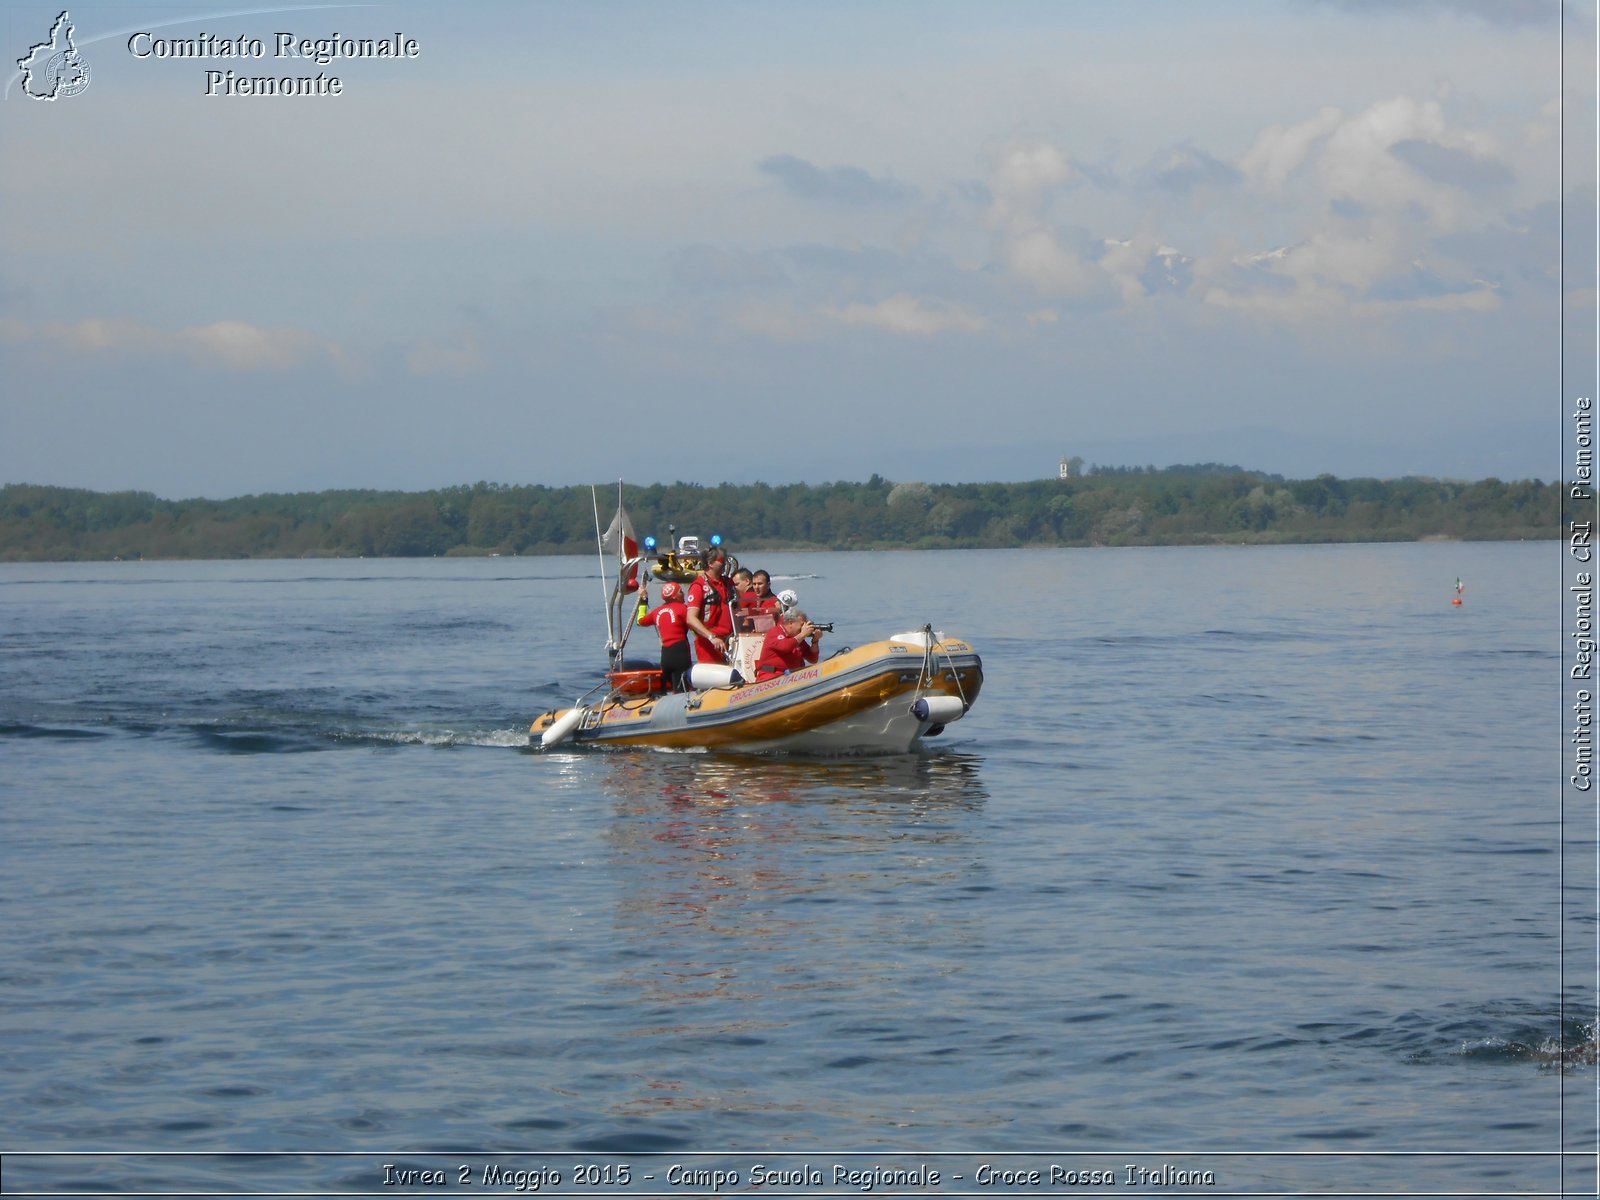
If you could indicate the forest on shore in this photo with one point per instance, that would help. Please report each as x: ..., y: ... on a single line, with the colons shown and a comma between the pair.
x: 1181, y: 505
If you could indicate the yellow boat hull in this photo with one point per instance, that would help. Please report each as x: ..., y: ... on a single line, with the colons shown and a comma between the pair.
x: 859, y: 701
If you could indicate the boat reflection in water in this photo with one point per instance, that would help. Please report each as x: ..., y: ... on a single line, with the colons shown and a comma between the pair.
x: 760, y: 899
x: 707, y: 841
x: 893, y: 788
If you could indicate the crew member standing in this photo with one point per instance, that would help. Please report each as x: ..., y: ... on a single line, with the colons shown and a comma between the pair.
x: 740, y: 580
x: 758, y: 605
x: 670, y: 620
x: 711, y: 601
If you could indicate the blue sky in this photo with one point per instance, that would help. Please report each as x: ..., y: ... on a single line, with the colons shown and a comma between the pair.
x: 730, y: 241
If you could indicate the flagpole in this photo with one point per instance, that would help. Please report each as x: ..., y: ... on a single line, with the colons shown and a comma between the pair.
x: 618, y: 593
x: 599, y: 545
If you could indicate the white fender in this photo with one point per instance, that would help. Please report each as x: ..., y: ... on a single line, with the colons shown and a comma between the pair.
x: 704, y: 676
x: 562, y: 729
x: 941, y: 710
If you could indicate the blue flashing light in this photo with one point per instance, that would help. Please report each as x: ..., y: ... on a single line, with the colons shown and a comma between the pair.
x: 650, y: 544
x: 716, y: 539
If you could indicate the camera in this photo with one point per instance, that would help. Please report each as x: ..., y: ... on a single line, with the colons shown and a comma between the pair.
x: 821, y: 628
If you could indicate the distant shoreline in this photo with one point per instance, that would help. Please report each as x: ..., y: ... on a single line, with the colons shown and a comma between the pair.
x: 1207, y: 505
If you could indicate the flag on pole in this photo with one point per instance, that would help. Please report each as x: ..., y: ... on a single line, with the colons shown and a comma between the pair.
x: 619, y: 539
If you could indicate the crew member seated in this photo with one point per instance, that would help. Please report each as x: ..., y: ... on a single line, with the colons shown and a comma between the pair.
x: 786, y: 648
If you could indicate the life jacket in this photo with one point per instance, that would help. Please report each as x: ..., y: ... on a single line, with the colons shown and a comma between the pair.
x: 716, y: 603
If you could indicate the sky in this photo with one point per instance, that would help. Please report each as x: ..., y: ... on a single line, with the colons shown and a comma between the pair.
x: 570, y: 243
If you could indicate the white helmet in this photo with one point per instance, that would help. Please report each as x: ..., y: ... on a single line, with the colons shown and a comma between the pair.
x: 788, y: 599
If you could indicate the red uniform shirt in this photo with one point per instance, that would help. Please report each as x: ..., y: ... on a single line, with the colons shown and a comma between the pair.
x: 712, y: 601
x: 669, y: 622
x: 754, y: 604
x: 780, y: 652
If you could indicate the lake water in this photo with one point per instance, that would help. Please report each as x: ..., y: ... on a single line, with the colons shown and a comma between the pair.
x: 1248, y: 861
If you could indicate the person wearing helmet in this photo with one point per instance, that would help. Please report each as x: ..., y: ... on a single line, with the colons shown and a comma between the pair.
x: 671, y: 621
x: 711, y: 603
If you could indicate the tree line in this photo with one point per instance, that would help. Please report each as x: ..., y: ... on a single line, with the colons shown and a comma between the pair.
x: 1181, y: 505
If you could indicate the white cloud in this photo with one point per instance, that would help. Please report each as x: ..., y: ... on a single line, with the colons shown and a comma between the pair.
x: 243, y: 347
x: 1376, y: 194
x: 1353, y: 262
x: 1397, y: 155
x: 1124, y: 262
x: 1481, y: 299
x: 234, y: 345
x: 911, y: 317
x: 1029, y: 169
x: 1027, y: 245
x: 1315, y: 300
x: 1362, y: 198
x: 1357, y: 162
x: 1038, y: 257
x: 1279, y: 150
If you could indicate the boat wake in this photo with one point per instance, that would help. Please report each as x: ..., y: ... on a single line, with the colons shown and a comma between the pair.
x: 286, y: 734
x: 1502, y: 1033
x: 513, y: 738
x: 1579, y: 1048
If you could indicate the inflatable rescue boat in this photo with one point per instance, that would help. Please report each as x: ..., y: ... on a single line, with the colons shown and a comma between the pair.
x: 880, y: 698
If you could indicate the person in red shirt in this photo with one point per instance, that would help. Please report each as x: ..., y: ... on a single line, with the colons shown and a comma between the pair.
x: 759, y: 606
x: 741, y: 588
x: 671, y: 622
x: 785, y: 649
x: 711, y: 603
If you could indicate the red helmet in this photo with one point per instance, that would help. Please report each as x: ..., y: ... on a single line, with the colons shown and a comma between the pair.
x: 671, y: 591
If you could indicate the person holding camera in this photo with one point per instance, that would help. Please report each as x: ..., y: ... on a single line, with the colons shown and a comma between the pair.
x: 785, y: 647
